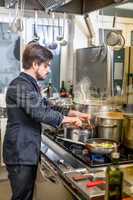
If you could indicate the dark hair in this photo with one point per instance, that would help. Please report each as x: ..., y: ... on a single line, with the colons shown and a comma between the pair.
x: 34, y: 52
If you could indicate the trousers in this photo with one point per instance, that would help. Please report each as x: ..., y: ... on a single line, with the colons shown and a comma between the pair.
x: 22, y: 180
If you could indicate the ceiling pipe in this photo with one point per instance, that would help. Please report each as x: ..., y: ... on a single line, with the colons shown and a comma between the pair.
x: 90, y: 29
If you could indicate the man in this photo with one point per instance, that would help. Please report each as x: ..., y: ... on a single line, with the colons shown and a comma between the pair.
x: 26, y: 110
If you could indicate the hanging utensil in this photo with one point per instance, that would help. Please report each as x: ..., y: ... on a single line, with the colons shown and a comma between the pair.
x: 35, y: 35
x: 63, y: 42
x: 114, y: 38
x: 2, y: 31
x: 17, y: 24
x: 47, y: 31
x: 60, y: 36
x: 13, y: 24
x: 53, y: 45
x: 9, y: 17
x: 44, y: 35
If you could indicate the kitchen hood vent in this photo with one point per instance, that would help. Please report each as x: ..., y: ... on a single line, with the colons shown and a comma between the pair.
x: 52, y: 4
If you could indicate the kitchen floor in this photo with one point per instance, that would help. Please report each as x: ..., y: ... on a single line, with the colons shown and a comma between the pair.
x: 5, y: 191
x: 43, y: 189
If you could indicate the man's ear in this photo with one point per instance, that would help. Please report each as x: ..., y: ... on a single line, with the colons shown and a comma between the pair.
x: 34, y: 65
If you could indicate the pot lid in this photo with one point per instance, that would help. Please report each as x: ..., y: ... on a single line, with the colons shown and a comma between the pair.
x: 128, y: 115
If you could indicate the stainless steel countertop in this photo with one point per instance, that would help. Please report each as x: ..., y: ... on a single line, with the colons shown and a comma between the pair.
x: 67, y: 166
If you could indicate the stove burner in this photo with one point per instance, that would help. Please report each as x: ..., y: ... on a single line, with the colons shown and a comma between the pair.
x: 92, y: 159
x: 98, y: 158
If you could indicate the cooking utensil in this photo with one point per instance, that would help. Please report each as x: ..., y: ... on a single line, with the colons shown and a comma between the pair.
x: 95, y: 183
x: 53, y: 45
x: 17, y: 23
x: 91, y: 106
x: 95, y: 145
x: 35, y: 34
x: 60, y: 36
x: 63, y: 42
x: 115, y: 38
x: 44, y: 36
x: 109, y: 132
x: 128, y: 131
x: 110, y: 125
x: 101, y: 145
x: 79, y: 134
x: 82, y: 177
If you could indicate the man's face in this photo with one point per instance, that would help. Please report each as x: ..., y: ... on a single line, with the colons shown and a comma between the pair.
x: 42, y: 70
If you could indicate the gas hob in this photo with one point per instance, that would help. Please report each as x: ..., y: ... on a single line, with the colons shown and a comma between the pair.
x: 91, y: 159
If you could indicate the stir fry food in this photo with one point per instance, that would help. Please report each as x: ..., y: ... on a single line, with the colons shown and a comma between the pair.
x: 104, y: 145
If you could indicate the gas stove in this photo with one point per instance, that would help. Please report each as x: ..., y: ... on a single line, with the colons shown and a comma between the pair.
x: 91, y: 159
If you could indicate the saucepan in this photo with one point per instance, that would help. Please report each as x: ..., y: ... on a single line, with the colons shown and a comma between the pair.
x: 81, y: 134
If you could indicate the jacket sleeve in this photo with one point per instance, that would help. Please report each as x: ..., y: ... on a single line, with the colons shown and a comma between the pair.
x: 36, y: 106
x: 64, y: 110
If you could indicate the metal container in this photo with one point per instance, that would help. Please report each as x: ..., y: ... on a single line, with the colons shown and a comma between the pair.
x: 110, y: 127
x: 128, y: 131
x: 110, y: 131
x: 89, y: 106
x: 94, y: 107
x: 86, y: 108
x: 78, y: 134
x: 101, y: 145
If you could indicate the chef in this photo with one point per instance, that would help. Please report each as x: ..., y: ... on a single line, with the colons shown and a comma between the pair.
x: 26, y: 110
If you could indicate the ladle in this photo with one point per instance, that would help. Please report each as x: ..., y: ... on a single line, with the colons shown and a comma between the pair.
x: 35, y: 35
x: 53, y: 45
x: 63, y: 42
x: 60, y: 36
x: 44, y: 38
x: 17, y: 24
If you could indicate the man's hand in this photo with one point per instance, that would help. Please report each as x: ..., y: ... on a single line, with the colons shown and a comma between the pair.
x: 80, y: 115
x: 84, y: 116
x: 73, y: 120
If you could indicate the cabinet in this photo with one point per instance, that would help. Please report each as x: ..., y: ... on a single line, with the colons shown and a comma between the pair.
x: 49, y: 185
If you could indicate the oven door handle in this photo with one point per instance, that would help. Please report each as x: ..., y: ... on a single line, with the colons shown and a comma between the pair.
x: 51, y: 178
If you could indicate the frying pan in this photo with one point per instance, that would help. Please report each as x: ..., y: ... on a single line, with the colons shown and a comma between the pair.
x: 96, y: 145
x: 101, y: 145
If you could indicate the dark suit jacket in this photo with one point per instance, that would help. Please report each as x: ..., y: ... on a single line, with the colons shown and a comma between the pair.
x: 26, y: 109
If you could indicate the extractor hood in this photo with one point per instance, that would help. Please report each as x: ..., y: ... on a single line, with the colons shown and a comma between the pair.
x: 85, y: 6
x: 67, y: 6
x: 52, y: 4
